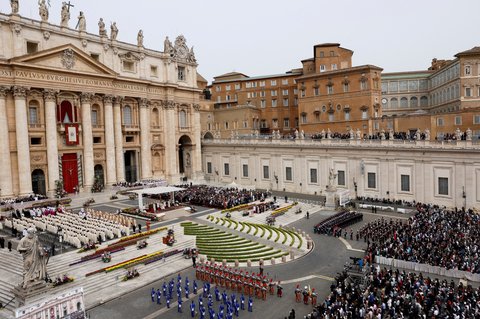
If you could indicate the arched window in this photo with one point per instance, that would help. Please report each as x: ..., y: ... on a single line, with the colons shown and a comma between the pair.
x: 424, y: 101
x: 394, y: 103
x: 182, y: 119
x: 413, y: 101
x: 127, y: 115
x: 155, y: 117
x: 67, y: 112
x: 403, y: 102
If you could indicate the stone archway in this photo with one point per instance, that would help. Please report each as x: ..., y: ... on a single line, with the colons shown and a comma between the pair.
x: 185, y: 156
x: 38, y: 182
x: 208, y: 136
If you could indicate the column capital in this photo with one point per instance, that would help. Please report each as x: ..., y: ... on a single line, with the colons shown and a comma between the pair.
x: 108, y: 99
x: 143, y: 103
x: 50, y: 95
x: 20, y: 92
x: 86, y: 98
x: 3, y: 91
x: 168, y: 104
x: 118, y: 100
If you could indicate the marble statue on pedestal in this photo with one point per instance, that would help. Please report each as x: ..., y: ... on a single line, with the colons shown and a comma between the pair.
x: 358, y: 134
x: 14, y: 5
x: 140, y: 38
x: 82, y: 23
x: 102, y: 31
x: 469, y: 134
x: 65, y: 17
x: 43, y: 10
x: 113, y: 31
x: 167, y: 46
x: 458, y: 134
x: 331, y: 178
x: 34, y: 259
x: 427, y: 134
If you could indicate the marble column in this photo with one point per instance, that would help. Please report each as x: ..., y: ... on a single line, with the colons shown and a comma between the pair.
x: 171, y: 167
x: 51, y: 137
x: 197, y: 141
x: 109, y: 140
x: 23, y: 143
x: 6, y: 185
x: 145, y: 143
x: 117, y: 120
x: 86, y: 101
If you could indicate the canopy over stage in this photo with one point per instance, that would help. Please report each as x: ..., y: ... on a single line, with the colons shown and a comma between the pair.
x: 155, y: 191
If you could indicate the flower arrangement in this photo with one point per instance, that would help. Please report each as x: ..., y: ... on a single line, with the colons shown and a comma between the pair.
x: 235, y: 208
x: 62, y: 280
x: 139, y: 235
x: 280, y: 211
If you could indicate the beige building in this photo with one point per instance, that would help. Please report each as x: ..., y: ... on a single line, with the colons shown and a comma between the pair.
x: 429, y: 172
x: 80, y: 107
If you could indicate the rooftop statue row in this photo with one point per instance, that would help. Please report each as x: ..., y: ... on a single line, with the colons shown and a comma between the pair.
x: 177, y: 51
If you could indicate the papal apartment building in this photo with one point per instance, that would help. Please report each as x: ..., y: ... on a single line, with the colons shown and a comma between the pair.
x: 77, y: 107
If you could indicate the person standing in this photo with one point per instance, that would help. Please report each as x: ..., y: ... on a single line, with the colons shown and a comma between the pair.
x: 2, y: 242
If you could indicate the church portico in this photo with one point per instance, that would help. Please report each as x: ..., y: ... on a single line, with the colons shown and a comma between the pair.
x: 71, y: 116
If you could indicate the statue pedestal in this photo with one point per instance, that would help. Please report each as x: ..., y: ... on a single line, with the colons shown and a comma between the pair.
x: 330, y: 193
x: 34, y: 291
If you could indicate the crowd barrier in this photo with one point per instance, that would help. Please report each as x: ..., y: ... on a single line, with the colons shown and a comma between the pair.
x: 424, y: 268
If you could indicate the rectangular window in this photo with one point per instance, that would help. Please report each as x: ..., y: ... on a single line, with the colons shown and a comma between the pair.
x: 32, y: 47
x: 263, y: 103
x: 273, y: 82
x: 153, y: 70
x: 129, y: 139
x: 322, y: 68
x: 364, y: 114
x: 273, y: 92
x: 458, y: 120
x: 286, y: 122
x: 95, y: 56
x: 284, y: 92
x: 302, y: 93
x: 332, y: 53
x: 262, y: 94
x: 275, y: 123
x: 442, y: 186
x: 476, y: 119
x: 285, y: 102
x: 295, y: 91
x: 440, y: 121
x: 304, y: 118
x: 313, y: 176
x: 35, y: 141
x: 226, y: 125
x: 209, y: 167
x: 330, y: 117
x: 245, y: 170
x: 266, y: 172
x: 468, y: 92
x: 262, y: 83
x: 218, y: 88
x: 346, y: 87
x: 226, y: 169
x: 285, y: 81
x: 128, y: 66
x: 248, y: 85
x: 405, y: 183
x: 372, y: 180
x: 227, y: 87
x: 227, y: 97
x: 238, y: 86
x: 94, y: 117
x: 363, y: 85
x: 330, y: 89
x: 97, y: 140
x: 295, y: 101
x: 33, y: 115
x: 288, y: 174
x: 181, y: 73
x: 316, y: 91
x: 334, y: 66
x: 322, y: 54
x: 347, y: 116
x: 468, y: 70
x: 341, y: 178
x: 274, y: 103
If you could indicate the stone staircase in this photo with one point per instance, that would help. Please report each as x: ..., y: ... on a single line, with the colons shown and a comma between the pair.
x: 99, y: 287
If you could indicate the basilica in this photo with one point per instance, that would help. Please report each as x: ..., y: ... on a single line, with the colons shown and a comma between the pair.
x: 77, y: 107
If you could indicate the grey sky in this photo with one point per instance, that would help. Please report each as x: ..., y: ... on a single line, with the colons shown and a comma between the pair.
x: 271, y: 36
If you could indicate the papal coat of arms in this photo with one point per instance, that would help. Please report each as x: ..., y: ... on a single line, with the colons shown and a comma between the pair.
x: 68, y: 58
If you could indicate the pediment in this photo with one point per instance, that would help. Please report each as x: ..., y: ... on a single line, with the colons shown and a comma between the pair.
x: 66, y: 57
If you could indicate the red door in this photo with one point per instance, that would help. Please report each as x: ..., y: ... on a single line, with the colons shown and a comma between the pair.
x: 70, y: 172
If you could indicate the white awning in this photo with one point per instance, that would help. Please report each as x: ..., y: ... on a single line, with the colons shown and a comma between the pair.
x: 157, y: 190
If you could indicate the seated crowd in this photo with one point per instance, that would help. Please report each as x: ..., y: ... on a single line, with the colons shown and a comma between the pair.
x: 78, y: 229
x: 333, y: 225
x: 217, y: 197
x: 142, y: 183
x: 22, y: 199
x: 395, y: 294
x: 364, y: 199
x: 434, y: 236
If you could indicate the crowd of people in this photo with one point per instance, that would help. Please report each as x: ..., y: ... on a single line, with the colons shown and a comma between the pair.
x: 333, y: 225
x: 22, y: 199
x: 142, y: 183
x: 218, y: 197
x: 434, y: 236
x: 366, y: 199
x: 395, y: 294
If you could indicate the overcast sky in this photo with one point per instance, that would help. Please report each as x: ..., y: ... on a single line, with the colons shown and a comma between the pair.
x: 262, y: 37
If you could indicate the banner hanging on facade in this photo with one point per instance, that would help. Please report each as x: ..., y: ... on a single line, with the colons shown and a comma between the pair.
x: 71, y: 134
